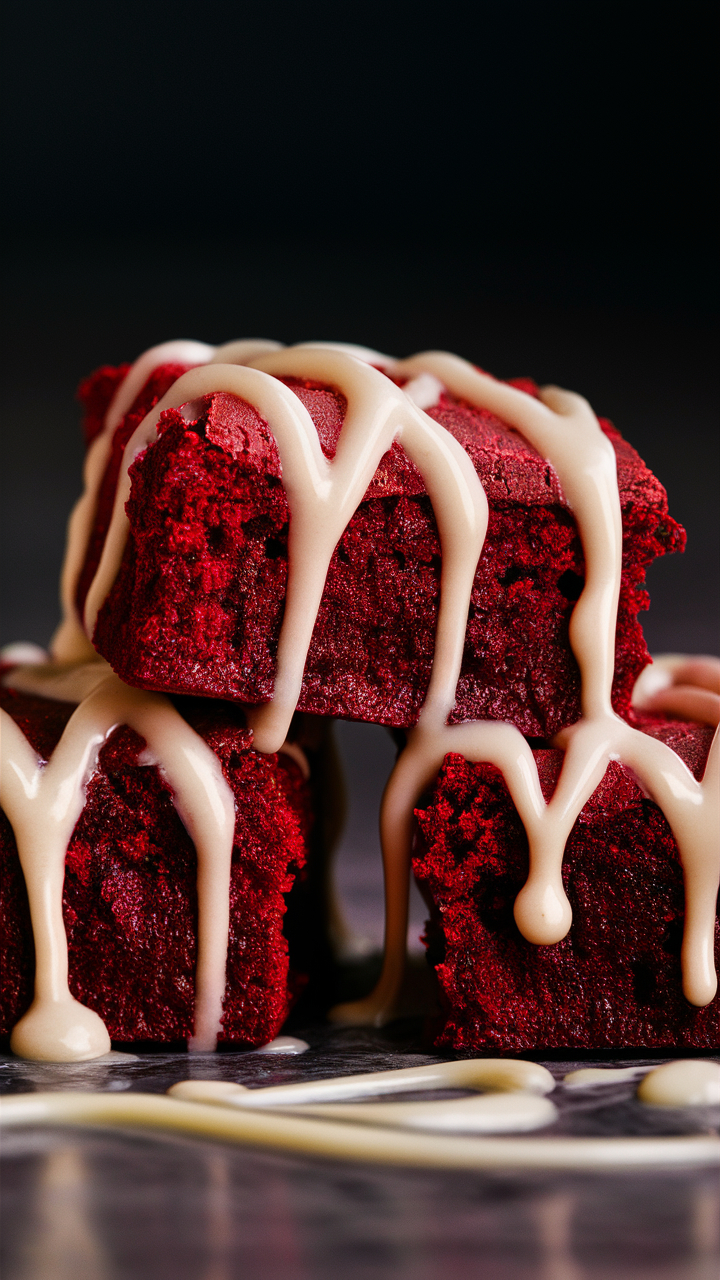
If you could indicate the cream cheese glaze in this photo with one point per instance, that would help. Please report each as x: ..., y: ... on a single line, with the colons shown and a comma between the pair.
x: 322, y: 496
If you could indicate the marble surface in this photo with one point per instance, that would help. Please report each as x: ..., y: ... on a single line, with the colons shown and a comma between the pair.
x: 107, y: 1206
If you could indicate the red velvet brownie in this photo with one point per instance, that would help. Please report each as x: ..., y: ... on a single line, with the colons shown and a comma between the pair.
x: 198, y: 602
x: 130, y: 900
x: 227, y: 551
x: 614, y: 981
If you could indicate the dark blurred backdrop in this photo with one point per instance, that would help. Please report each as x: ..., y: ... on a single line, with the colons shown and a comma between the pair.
x: 528, y: 184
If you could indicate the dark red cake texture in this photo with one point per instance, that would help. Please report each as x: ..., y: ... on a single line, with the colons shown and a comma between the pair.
x: 615, y: 980
x: 95, y: 394
x: 197, y: 609
x: 198, y: 603
x: 130, y: 903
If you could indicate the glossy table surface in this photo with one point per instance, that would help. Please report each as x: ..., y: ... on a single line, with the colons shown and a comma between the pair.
x: 108, y: 1205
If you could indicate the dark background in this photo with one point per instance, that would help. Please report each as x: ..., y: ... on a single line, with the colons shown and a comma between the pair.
x: 527, y: 184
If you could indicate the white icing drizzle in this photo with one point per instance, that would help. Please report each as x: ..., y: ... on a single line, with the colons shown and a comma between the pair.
x: 296, y: 753
x: 588, y: 1077
x: 332, y: 1138
x: 501, y: 1112
x: 44, y: 802
x: 59, y: 681
x: 322, y: 1117
x: 322, y: 497
x: 497, y: 1075
x: 515, y: 1102
x: 243, y: 351
x: 70, y: 643
x: 689, y: 1082
x: 676, y: 685
x: 366, y: 354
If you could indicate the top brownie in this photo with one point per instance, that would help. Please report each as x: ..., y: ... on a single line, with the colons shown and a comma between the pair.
x: 198, y: 602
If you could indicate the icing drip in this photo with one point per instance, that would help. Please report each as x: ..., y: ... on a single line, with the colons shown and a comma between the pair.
x: 44, y: 802
x: 22, y: 653
x: 70, y: 644
x: 322, y: 496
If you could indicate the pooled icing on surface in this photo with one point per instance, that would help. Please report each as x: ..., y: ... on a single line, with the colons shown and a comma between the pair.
x: 515, y: 1102
x: 589, y: 1077
x: 327, y: 1118
x: 687, y: 1083
x: 322, y: 496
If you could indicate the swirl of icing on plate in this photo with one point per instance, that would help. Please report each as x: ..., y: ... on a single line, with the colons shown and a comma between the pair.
x: 322, y: 496
x: 515, y: 1101
x: 324, y: 1118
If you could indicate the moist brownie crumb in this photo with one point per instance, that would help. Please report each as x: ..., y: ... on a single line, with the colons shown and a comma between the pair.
x: 199, y: 599
x: 615, y: 980
x: 130, y: 902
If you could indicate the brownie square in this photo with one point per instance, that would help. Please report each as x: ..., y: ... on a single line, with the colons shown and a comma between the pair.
x: 198, y: 602
x: 130, y: 903
x: 614, y: 981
